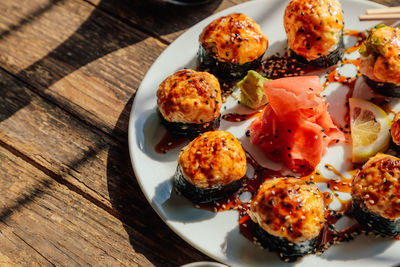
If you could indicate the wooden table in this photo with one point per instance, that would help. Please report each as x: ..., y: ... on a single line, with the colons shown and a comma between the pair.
x: 69, y: 70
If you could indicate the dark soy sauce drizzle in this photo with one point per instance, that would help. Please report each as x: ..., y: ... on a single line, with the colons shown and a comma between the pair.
x: 329, y: 234
x: 275, y: 67
x: 236, y: 117
x: 170, y: 141
x: 278, y: 66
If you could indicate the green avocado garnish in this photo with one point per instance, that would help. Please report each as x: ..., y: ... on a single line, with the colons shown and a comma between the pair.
x: 374, y: 45
x: 252, y: 90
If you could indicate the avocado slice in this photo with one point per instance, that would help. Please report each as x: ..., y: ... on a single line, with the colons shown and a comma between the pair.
x: 252, y: 90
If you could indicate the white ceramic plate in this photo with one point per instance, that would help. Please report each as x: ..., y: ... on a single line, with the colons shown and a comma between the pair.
x: 217, y: 235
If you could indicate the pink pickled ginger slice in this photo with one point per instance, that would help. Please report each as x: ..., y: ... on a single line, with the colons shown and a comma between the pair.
x: 295, y: 128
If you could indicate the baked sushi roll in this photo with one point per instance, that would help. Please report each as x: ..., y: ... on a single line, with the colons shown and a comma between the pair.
x: 231, y: 45
x: 315, y: 31
x: 189, y: 102
x: 380, y: 62
x: 376, y: 195
x: 289, y: 216
x: 395, y: 130
x: 211, y: 167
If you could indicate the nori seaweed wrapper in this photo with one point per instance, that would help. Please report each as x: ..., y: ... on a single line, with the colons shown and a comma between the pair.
x: 203, y: 195
x: 386, y: 89
x: 225, y: 70
x: 324, y: 61
x: 374, y: 222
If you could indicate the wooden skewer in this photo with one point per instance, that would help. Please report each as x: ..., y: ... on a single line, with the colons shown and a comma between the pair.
x: 389, y: 10
x: 379, y: 17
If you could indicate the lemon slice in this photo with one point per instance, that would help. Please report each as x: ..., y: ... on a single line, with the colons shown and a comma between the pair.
x: 370, y: 127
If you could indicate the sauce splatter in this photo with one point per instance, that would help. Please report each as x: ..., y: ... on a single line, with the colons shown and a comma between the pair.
x: 236, y: 117
x: 170, y: 141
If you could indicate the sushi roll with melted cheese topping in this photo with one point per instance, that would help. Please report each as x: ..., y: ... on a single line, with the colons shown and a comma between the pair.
x: 314, y: 30
x: 376, y: 195
x: 232, y: 45
x: 395, y: 130
x: 189, y: 102
x: 211, y: 167
x: 289, y: 214
x: 380, y: 61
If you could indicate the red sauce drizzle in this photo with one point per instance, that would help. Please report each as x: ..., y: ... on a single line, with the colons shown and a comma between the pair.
x: 360, y: 38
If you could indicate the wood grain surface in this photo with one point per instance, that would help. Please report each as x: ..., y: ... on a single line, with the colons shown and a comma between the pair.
x: 69, y: 71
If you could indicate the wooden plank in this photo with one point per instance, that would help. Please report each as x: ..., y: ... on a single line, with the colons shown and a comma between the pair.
x: 43, y: 223
x: 88, y: 162
x: 166, y: 20
x: 76, y: 55
x: 160, y: 18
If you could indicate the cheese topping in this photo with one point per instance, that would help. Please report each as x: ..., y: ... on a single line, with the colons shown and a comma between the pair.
x: 313, y: 27
x: 213, y: 159
x: 381, y: 61
x: 189, y: 96
x: 395, y: 129
x: 234, y: 38
x: 289, y: 208
x: 377, y: 186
